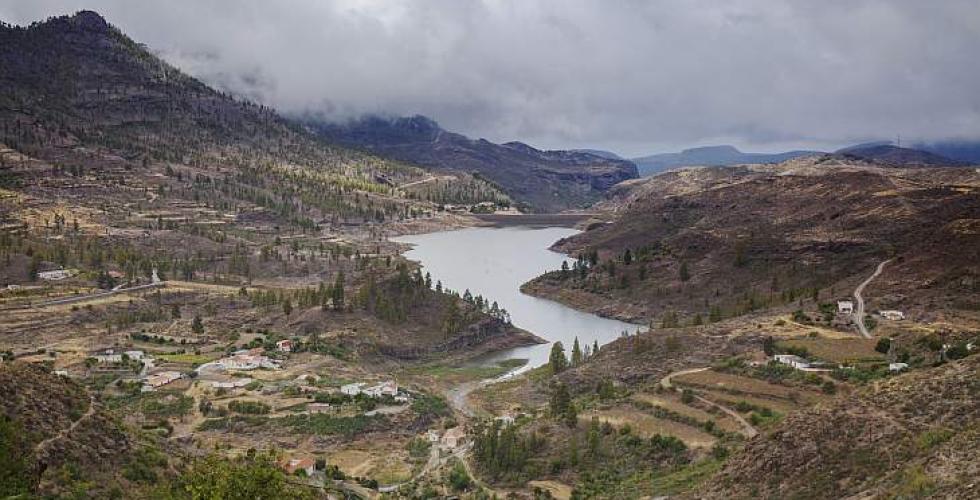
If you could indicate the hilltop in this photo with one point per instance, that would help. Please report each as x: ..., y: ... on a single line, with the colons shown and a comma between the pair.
x: 887, y: 154
x: 710, y: 156
x: 723, y: 241
x: 543, y: 181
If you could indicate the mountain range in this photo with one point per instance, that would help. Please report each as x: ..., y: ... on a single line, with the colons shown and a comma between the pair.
x: 924, y: 154
x: 541, y: 181
x: 710, y: 155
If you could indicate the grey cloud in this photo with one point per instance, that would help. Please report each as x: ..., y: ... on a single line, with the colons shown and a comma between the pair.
x: 632, y: 76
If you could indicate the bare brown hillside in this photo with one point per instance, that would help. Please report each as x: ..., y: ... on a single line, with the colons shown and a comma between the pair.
x: 913, y: 436
x: 721, y: 242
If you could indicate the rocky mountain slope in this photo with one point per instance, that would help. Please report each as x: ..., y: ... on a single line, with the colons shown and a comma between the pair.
x: 912, y: 436
x: 726, y: 241
x: 543, y: 181
x: 710, y: 156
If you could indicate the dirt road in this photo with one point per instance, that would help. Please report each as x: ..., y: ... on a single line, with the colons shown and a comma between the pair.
x: 747, y: 428
x: 858, y: 316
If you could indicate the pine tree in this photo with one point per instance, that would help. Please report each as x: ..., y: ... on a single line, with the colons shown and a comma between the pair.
x: 338, y: 291
x: 594, y: 436
x: 197, y: 326
x: 576, y: 353
x: 557, y: 360
x: 685, y: 274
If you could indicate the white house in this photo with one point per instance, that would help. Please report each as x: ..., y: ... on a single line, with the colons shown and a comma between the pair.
x: 56, y: 275
x: 845, y: 306
x: 160, y: 379
x: 792, y: 360
x: 232, y: 384
x: 892, y: 315
x: 505, y: 419
x: 386, y: 388
x: 897, y: 367
x: 352, y: 389
x: 284, y: 345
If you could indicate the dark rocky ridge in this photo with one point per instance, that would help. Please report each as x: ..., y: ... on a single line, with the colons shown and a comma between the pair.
x: 544, y: 181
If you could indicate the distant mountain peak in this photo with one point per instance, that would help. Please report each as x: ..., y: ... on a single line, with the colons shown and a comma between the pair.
x: 90, y: 20
x: 722, y: 149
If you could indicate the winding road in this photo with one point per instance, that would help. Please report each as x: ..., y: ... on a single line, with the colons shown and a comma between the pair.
x: 858, y: 316
x: 747, y: 428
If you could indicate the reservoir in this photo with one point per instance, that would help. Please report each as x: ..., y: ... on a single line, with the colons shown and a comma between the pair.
x: 494, y: 262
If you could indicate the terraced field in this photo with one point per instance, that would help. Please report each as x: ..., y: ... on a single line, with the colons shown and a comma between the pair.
x: 647, y: 425
x: 672, y: 402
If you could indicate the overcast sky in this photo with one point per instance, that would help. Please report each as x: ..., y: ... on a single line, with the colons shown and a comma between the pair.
x: 633, y: 77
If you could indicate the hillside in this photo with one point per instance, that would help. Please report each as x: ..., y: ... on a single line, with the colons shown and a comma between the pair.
x: 710, y: 156
x: 887, y: 154
x: 142, y: 212
x: 542, y: 181
x: 907, y: 437
x: 721, y: 242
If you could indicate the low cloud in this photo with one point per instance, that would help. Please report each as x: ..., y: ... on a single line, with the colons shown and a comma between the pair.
x: 632, y: 76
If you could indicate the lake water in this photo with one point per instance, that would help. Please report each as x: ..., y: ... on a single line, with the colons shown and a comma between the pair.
x: 495, y: 262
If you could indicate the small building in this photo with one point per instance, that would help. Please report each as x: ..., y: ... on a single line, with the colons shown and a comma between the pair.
x: 453, y: 437
x: 135, y: 355
x: 108, y: 356
x: 897, y: 367
x: 845, y: 307
x: 61, y: 373
x: 792, y: 360
x: 160, y: 379
x: 892, y: 315
x: 432, y: 436
x: 294, y: 465
x: 56, y: 275
x: 319, y: 408
x: 232, y: 384
x: 352, y: 389
x: 284, y: 345
x: 386, y: 388
x: 505, y: 419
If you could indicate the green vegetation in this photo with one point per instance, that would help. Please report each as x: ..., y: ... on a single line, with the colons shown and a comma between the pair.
x: 249, y: 407
x: 15, y: 459
x: 431, y: 406
x: 219, y: 478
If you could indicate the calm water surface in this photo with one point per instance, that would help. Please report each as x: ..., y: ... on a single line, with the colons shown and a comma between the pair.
x: 495, y: 262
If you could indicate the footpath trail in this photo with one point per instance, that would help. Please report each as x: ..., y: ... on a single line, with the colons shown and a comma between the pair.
x: 858, y: 317
x: 747, y: 428
x: 66, y: 431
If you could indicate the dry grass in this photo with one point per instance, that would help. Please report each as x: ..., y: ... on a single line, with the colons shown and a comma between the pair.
x: 837, y: 350
x: 724, y: 398
x: 728, y: 382
x: 560, y: 491
x: 646, y: 425
x: 672, y: 402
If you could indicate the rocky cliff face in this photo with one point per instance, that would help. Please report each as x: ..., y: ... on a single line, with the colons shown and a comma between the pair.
x: 543, y: 181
